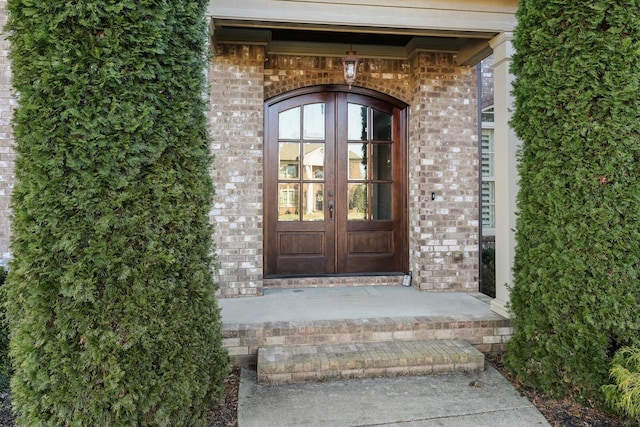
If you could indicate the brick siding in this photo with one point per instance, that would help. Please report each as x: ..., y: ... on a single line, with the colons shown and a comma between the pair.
x: 443, y: 160
x: 236, y: 119
x: 442, y: 145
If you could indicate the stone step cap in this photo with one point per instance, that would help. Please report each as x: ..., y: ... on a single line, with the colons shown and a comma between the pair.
x: 324, y: 362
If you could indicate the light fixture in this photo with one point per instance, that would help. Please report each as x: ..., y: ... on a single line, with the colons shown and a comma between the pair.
x: 350, y: 64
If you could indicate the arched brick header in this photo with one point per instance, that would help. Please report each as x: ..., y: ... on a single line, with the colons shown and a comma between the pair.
x: 337, y: 88
x: 287, y: 73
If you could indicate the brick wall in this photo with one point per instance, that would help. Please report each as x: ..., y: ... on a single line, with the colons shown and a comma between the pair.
x: 236, y: 120
x: 442, y: 145
x: 443, y: 160
x: 7, y: 155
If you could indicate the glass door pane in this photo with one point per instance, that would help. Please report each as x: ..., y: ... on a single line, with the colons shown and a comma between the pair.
x: 381, y: 126
x: 357, y: 158
x: 357, y: 125
x: 313, y: 122
x: 381, y: 202
x: 302, y: 164
x: 313, y: 167
x: 358, y: 202
x: 382, y: 162
x: 370, y: 168
x: 313, y: 202
x: 289, y: 161
x: 288, y: 197
x: 289, y: 124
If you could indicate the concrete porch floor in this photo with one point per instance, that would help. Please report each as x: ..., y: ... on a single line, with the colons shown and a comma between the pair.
x: 357, y: 314
x: 362, y: 302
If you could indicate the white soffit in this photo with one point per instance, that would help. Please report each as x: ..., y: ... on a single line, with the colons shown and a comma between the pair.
x: 445, y: 17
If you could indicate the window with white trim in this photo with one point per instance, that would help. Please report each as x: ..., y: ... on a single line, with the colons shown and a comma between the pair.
x: 488, y: 174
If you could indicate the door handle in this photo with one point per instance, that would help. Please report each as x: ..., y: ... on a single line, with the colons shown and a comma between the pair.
x: 330, y: 210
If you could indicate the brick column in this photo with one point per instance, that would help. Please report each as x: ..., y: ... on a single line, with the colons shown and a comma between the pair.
x: 236, y: 119
x: 506, y: 174
x: 7, y: 156
x: 443, y: 160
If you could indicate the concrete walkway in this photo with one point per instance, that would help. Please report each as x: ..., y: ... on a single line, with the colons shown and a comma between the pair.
x: 485, y: 399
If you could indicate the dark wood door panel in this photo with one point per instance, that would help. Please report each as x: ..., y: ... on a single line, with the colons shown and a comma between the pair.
x: 373, y: 263
x: 370, y: 242
x: 301, y: 244
x: 300, y: 265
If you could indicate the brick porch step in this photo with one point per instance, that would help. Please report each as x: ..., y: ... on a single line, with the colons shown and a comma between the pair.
x: 324, y: 362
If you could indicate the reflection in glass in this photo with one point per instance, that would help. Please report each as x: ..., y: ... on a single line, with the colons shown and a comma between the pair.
x: 289, y: 160
x: 357, y: 161
x: 487, y: 164
x: 487, y: 153
x: 381, y: 162
x: 289, y: 124
x: 358, y: 202
x: 313, y: 161
x: 313, y: 202
x: 381, y: 126
x: 381, y: 202
x: 488, y: 204
x: 288, y: 197
x: 314, y: 121
x: 357, y: 122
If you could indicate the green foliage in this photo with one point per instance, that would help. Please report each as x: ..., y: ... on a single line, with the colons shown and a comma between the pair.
x: 489, y: 271
x: 624, y: 395
x: 110, y: 296
x: 576, y: 291
x: 5, y: 367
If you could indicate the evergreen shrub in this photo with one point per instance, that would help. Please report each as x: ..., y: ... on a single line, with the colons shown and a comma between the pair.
x: 5, y: 365
x: 576, y: 293
x: 624, y: 394
x: 110, y: 296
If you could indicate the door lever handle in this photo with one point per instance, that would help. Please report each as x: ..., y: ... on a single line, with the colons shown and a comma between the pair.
x: 330, y: 210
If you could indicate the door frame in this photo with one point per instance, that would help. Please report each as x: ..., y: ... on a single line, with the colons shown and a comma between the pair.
x: 404, y: 226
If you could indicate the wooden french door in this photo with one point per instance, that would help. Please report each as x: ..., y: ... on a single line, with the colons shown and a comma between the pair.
x: 335, y: 184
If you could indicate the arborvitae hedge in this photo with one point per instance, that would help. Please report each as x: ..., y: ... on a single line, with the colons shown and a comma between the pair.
x: 576, y: 296
x: 111, y: 302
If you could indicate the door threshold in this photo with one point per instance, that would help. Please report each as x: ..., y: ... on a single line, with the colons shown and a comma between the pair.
x: 317, y: 276
x: 334, y: 280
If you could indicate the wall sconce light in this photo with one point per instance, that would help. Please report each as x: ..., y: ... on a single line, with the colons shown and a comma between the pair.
x: 350, y: 64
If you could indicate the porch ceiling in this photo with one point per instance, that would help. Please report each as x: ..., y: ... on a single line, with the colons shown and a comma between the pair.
x: 374, y: 28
